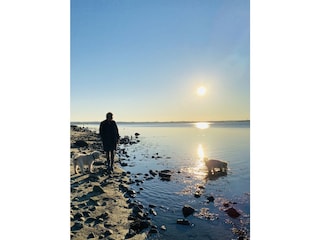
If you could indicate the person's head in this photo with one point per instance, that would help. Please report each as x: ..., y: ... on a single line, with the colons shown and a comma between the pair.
x: 109, y: 116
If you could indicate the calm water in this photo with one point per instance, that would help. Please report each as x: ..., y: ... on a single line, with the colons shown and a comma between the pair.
x: 180, y: 147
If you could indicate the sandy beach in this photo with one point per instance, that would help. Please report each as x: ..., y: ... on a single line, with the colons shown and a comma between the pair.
x: 99, y: 206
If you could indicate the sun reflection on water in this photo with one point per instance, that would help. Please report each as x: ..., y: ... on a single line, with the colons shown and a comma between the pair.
x: 197, y: 170
x: 202, y: 125
x: 200, y: 152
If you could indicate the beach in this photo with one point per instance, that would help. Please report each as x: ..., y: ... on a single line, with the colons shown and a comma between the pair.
x: 98, y: 205
x: 158, y: 174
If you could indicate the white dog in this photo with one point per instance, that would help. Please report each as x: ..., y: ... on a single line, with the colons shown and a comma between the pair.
x: 82, y: 160
x: 213, y: 165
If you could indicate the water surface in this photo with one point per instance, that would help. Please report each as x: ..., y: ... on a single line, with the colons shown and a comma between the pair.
x: 180, y: 147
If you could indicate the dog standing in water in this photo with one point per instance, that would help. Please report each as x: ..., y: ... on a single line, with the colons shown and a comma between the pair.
x: 213, y: 165
x: 81, y: 160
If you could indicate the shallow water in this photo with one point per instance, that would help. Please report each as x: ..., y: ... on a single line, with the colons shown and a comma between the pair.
x: 180, y: 147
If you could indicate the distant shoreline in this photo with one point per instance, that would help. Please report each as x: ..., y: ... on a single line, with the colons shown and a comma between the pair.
x: 133, y: 122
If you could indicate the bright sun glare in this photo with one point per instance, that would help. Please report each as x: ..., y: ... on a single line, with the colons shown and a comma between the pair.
x: 202, y: 125
x: 201, y: 91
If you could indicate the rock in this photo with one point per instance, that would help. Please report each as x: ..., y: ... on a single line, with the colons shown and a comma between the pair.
x: 123, y: 187
x: 130, y: 234
x: 187, y: 210
x: 125, y: 140
x: 77, y: 216
x: 131, y: 193
x: 77, y: 226
x: 108, y: 232
x: 232, y: 212
x: 197, y: 194
x: 90, y: 220
x: 226, y: 204
x: 92, y: 208
x: 98, y: 220
x: 81, y: 143
x: 183, y: 221
x: 210, y: 198
x: 137, y: 209
x: 93, y: 178
x: 153, y: 212
x: 92, y: 202
x: 103, y: 215
x: 138, y: 225
x: 86, y: 214
x: 163, y: 227
x: 98, y: 189
x: 91, y: 235
x: 165, y: 175
x: 153, y: 173
x: 154, y: 229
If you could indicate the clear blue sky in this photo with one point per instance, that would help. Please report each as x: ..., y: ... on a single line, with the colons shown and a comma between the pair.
x: 144, y: 60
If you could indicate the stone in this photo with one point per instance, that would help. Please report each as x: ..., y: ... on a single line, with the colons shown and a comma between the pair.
x: 81, y: 143
x: 91, y: 235
x: 187, y: 210
x: 153, y: 173
x: 153, y: 212
x: 92, y: 202
x: 163, y: 227
x: 153, y: 230
x: 210, y: 198
x: 197, y: 194
x: 93, y: 178
x: 77, y: 216
x: 98, y: 189
x: 226, y: 204
x: 90, y: 220
x: 138, y: 225
x: 183, y: 221
x: 77, y: 226
x: 108, y: 232
x: 232, y: 212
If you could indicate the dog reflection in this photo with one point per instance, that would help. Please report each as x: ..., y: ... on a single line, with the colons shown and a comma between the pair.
x: 215, y: 176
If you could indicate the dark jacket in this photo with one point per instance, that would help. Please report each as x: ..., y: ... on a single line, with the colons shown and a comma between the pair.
x: 109, y: 134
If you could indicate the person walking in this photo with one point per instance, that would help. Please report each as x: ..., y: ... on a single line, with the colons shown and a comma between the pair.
x: 109, y: 134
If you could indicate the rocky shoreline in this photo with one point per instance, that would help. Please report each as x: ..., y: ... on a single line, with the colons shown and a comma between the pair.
x: 100, y: 205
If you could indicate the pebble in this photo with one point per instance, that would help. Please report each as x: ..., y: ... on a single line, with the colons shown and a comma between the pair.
x: 163, y: 227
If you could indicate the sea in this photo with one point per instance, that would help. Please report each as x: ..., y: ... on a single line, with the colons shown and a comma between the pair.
x: 181, y: 148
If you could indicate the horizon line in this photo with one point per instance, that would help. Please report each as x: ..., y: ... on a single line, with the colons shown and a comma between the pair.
x: 184, y: 121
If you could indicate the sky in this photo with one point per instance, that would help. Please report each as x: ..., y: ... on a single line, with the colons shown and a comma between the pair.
x: 144, y: 60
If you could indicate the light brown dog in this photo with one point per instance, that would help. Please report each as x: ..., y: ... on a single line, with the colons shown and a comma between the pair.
x: 82, y: 160
x: 214, y: 165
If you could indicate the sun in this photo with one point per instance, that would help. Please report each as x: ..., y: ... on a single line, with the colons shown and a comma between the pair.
x: 201, y: 91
